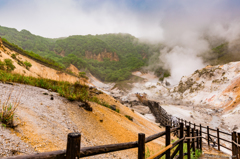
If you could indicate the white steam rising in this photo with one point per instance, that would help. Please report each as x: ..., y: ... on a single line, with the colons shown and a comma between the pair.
x: 188, y: 33
x: 181, y: 61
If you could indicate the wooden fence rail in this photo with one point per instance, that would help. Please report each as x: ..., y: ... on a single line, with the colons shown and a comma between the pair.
x: 188, y: 133
x: 74, y: 149
x: 235, y: 142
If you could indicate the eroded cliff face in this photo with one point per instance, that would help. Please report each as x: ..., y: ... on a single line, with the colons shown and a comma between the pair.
x: 73, y: 69
x: 102, y: 55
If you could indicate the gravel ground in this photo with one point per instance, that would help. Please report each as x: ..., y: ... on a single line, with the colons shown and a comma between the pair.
x: 10, y: 144
x: 43, y: 124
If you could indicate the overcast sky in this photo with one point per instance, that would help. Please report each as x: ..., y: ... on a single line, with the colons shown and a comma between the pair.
x: 141, y: 18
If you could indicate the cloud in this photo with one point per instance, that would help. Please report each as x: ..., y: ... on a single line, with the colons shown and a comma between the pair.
x: 187, y: 27
x: 58, y: 18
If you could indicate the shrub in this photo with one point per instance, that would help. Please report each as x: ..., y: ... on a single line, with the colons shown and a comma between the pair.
x: 83, y: 75
x: 9, y: 65
x: 14, y: 56
x: 6, y: 115
x: 27, y: 64
x: 95, y: 99
x: 117, y: 110
x: 196, y: 154
x: 8, y: 109
x: 129, y: 117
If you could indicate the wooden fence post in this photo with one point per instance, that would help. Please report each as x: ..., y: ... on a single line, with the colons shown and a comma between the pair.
x: 218, y: 139
x: 141, y: 146
x: 238, y: 143
x: 201, y: 137
x: 181, y: 143
x: 190, y: 124
x: 197, y: 139
x: 168, y: 141
x: 234, y: 149
x: 194, y: 126
x: 185, y: 122
x: 73, y: 146
x: 188, y: 143
x: 193, y: 141
x: 208, y: 135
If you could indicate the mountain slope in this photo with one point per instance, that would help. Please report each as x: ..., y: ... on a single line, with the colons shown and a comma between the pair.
x: 44, y: 122
x: 109, y: 57
x: 37, y: 70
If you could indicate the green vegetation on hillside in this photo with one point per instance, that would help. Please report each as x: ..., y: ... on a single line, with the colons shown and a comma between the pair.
x: 223, y: 54
x: 7, y: 65
x: 60, y: 53
x: 32, y: 55
x: 70, y: 91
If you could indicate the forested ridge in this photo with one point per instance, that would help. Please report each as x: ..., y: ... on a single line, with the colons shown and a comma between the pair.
x: 132, y: 53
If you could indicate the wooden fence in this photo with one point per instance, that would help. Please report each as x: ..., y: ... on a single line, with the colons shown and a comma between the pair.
x: 190, y: 136
x: 214, y: 136
x: 188, y: 133
x: 160, y: 114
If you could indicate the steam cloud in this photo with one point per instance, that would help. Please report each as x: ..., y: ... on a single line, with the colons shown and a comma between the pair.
x: 190, y: 32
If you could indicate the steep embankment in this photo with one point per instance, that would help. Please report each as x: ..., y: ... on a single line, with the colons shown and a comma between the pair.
x: 44, y: 123
x: 37, y: 70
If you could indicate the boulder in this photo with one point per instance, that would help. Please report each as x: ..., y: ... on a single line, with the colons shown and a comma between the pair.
x: 85, y: 106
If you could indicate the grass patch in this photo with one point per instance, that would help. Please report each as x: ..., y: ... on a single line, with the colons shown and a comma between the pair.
x: 129, y: 117
x: 70, y: 91
x: 7, y: 65
x: 27, y: 64
x: 194, y: 155
x: 83, y: 75
x: 8, y: 109
x: 65, y: 89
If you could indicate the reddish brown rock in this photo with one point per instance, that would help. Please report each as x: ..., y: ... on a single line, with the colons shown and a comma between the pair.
x: 102, y: 55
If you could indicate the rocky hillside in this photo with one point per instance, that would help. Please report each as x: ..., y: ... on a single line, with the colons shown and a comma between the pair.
x: 216, y: 86
x: 36, y: 70
x: 43, y: 124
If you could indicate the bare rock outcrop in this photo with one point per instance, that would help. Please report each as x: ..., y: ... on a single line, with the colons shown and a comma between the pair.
x: 73, y: 69
x: 109, y: 55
